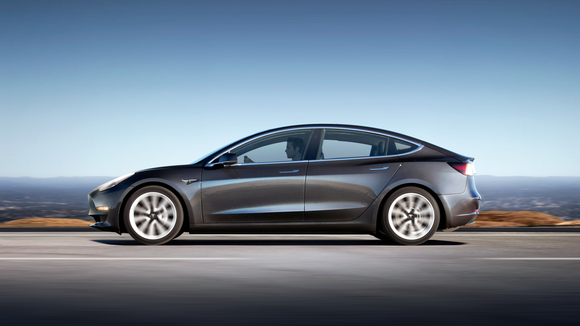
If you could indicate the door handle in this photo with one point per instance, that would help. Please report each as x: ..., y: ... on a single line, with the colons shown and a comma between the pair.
x: 378, y: 169
x: 293, y: 171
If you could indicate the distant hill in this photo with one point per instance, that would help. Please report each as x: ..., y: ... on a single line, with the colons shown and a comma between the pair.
x: 558, y: 196
x: 55, y: 183
x: 529, y: 184
x: 62, y: 197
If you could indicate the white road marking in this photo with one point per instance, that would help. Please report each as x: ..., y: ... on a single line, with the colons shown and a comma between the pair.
x: 529, y: 258
x: 121, y: 258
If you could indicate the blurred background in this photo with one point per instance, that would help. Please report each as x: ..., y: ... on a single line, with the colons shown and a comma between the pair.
x: 94, y: 89
x: 90, y: 90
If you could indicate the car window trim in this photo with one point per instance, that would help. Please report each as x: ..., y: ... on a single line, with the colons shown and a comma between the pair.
x: 263, y: 163
x: 211, y: 162
x: 367, y: 157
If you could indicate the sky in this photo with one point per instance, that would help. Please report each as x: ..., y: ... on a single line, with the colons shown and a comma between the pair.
x: 104, y: 88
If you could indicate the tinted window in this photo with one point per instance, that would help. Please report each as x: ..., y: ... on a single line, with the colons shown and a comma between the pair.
x: 339, y: 143
x: 279, y: 147
x: 397, y: 146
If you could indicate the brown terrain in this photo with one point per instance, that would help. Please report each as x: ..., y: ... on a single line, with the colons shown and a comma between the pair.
x: 522, y: 218
x: 485, y: 219
x: 40, y: 222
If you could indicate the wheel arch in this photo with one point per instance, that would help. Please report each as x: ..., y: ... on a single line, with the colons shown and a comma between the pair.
x: 184, y: 204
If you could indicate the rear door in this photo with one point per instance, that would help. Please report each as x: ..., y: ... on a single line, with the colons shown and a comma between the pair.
x: 350, y: 170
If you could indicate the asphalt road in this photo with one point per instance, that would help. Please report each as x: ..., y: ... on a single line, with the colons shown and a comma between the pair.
x: 460, y: 278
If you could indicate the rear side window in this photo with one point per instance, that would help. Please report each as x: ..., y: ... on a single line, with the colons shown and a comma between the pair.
x: 398, y: 147
x: 338, y: 143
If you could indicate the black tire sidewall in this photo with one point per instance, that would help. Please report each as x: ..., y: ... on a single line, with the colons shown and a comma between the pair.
x: 388, y: 230
x: 179, y: 216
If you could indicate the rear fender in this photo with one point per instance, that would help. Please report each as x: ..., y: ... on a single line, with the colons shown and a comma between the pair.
x: 411, y: 182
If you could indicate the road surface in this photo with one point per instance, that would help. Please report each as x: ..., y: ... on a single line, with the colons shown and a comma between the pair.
x: 460, y: 278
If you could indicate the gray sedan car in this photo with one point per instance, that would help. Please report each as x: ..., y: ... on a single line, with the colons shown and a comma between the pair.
x: 322, y: 178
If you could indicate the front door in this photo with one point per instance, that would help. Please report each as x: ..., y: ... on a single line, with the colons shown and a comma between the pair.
x: 265, y: 186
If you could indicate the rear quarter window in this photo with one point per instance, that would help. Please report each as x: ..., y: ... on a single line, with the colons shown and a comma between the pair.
x: 398, y: 147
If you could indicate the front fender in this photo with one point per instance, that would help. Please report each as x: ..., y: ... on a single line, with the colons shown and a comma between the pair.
x: 184, y: 193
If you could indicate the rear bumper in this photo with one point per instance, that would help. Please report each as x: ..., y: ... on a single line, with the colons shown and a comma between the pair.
x: 462, y: 209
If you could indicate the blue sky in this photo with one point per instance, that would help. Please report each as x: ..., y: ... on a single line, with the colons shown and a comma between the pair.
x: 103, y: 88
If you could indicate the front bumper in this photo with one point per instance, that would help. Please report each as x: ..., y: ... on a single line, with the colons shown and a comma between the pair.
x: 106, y: 220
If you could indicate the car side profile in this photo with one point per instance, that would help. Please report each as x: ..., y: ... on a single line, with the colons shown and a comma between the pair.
x: 319, y: 178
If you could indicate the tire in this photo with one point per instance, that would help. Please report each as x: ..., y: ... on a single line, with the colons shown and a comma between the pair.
x: 410, y: 216
x: 178, y: 234
x: 157, y: 226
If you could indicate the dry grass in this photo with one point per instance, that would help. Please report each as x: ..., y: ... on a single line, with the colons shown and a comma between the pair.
x: 522, y: 218
x: 45, y: 222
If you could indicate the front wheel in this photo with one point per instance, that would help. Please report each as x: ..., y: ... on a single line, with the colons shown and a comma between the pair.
x: 153, y: 215
x: 410, y: 216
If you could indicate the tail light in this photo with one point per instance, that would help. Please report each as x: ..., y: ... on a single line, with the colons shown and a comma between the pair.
x: 464, y: 168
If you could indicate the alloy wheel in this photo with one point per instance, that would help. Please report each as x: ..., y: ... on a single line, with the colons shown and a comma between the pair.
x: 153, y: 215
x: 411, y: 216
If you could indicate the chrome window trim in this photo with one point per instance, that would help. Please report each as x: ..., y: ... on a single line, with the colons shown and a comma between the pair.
x: 363, y: 157
x: 211, y: 162
x: 209, y: 165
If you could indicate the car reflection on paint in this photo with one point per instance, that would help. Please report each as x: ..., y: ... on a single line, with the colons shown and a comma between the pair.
x: 298, y: 179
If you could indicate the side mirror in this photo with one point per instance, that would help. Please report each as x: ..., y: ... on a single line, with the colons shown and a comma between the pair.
x: 228, y: 158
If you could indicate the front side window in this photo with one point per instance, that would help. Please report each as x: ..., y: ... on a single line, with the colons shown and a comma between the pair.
x: 338, y: 143
x: 282, y: 146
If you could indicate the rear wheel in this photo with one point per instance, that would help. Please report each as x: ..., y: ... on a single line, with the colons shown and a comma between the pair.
x: 153, y: 215
x: 410, y: 216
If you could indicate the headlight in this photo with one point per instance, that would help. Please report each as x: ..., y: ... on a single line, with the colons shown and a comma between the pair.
x: 114, y: 182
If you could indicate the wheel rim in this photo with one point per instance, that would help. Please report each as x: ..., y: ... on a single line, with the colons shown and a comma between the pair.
x: 411, y: 216
x: 153, y: 215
